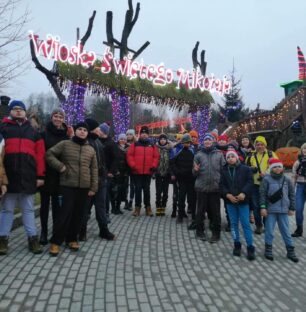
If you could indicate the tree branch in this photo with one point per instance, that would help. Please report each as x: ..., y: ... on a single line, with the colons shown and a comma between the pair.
x: 140, y: 50
x: 49, y: 75
x: 89, y: 28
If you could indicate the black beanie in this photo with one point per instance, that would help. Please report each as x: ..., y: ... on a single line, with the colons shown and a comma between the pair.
x: 163, y: 136
x: 92, y: 124
x: 81, y: 124
x: 144, y: 129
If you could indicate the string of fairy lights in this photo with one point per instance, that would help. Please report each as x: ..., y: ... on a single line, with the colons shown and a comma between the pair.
x: 200, y: 120
x: 286, y: 111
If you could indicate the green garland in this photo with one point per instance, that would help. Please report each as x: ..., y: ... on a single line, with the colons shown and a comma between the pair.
x: 139, y: 90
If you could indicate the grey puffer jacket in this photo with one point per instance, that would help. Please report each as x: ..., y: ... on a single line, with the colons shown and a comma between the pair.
x: 211, y: 164
x: 269, y: 186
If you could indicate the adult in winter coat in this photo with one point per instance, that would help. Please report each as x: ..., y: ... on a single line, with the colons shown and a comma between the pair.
x: 56, y: 131
x: 181, y: 168
x: 76, y: 160
x: 111, y: 162
x: 143, y: 159
x: 122, y: 179
x: 299, y: 180
x: 208, y: 164
x: 236, y: 189
x: 162, y: 176
x: 99, y: 199
x: 24, y: 162
x: 131, y: 138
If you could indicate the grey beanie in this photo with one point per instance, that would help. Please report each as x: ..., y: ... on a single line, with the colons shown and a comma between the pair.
x: 130, y: 131
x: 121, y: 136
x: 58, y: 111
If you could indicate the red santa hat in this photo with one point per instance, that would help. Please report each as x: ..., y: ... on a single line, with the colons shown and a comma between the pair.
x: 223, y: 137
x: 274, y: 162
x: 232, y: 152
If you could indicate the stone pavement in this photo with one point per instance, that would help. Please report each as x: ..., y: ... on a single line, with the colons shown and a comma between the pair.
x: 155, y: 265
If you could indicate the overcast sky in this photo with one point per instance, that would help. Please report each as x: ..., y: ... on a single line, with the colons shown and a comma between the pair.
x: 260, y: 35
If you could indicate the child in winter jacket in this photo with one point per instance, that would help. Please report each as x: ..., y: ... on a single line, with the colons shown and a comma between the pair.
x: 276, y: 203
x: 236, y: 189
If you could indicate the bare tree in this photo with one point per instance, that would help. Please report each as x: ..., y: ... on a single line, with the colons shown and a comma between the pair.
x: 12, y: 34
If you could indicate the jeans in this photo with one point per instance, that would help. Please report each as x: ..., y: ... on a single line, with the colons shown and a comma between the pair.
x: 162, y: 188
x: 240, y: 212
x: 256, y: 206
x: 142, y: 183
x: 186, y: 189
x: 26, y: 203
x: 68, y: 223
x: 299, y: 203
x: 283, y: 225
x: 210, y: 203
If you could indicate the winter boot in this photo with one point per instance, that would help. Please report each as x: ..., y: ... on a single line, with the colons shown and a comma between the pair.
x: 43, y: 240
x: 192, y: 226
x: 3, y: 245
x: 298, y: 232
x: 130, y: 204
x: 251, y: 253
x: 214, y: 238
x: 106, y: 234
x: 34, y: 246
x: 173, y: 214
x: 162, y: 211
x: 149, y: 212
x: 201, y: 235
x: 54, y: 250
x: 237, y: 249
x: 127, y: 206
x: 268, y: 252
x: 74, y: 246
x: 136, y: 212
x: 258, y: 230
x: 158, y: 212
x: 291, y: 254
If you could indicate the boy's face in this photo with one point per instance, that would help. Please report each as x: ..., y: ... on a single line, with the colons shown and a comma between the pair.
x: 277, y: 170
x: 222, y: 143
x: 186, y: 145
x: 231, y: 159
x: 208, y: 143
x: 245, y: 142
x: 162, y: 141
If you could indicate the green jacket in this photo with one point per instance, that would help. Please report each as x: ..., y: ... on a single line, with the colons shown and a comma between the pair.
x: 80, y: 162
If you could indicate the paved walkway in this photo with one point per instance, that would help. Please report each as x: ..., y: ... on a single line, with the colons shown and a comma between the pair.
x: 155, y: 265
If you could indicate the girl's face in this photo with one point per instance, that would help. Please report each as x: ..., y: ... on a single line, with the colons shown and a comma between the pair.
x: 81, y: 133
x: 304, y: 151
x: 129, y: 136
x: 122, y: 141
x: 231, y: 159
x: 57, y: 120
x: 277, y: 170
x: 162, y: 141
x: 245, y: 142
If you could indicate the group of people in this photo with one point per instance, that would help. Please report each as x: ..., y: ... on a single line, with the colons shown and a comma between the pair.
x: 83, y: 167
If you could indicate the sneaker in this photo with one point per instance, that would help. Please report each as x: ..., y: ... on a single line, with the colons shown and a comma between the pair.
x: 74, y: 246
x: 3, y: 245
x: 34, y: 245
x: 251, y: 253
x: 291, y: 254
x: 54, y: 250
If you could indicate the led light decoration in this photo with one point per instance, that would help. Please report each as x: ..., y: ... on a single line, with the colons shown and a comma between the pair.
x: 194, y: 120
x: 124, y: 113
x: 203, y: 122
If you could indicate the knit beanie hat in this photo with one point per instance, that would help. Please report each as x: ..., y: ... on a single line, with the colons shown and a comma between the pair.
x: 58, y: 111
x: 274, y: 162
x: 144, y: 129
x: 18, y: 103
x: 223, y: 137
x: 194, y: 133
x: 234, y: 144
x: 208, y: 136
x: 261, y: 139
x: 122, y: 136
x: 92, y: 124
x: 81, y: 124
x: 163, y: 136
x: 104, y: 127
x: 186, y: 138
x: 131, y: 131
x: 232, y: 153
x: 179, y: 136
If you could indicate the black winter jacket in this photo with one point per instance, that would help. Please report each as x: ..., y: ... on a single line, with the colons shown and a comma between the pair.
x: 110, y: 149
x: 182, y: 164
x: 241, y: 183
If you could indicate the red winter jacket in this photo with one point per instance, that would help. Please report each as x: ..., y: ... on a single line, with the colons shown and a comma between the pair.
x: 24, y: 158
x: 143, y: 157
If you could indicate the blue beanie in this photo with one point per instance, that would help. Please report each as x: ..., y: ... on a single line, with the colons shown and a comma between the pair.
x: 18, y: 103
x: 104, y: 127
x: 208, y: 136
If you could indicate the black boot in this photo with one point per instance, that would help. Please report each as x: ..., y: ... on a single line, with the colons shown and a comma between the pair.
x: 201, y: 235
x: 34, y: 246
x: 237, y: 249
x: 298, y: 232
x: 228, y: 227
x: 43, y: 240
x: 192, y: 226
x: 258, y: 230
x: 291, y: 254
x: 215, y: 237
x: 83, y: 234
x: 173, y: 214
x: 3, y: 245
x: 106, y: 234
x: 251, y: 253
x: 127, y: 206
x: 268, y: 252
